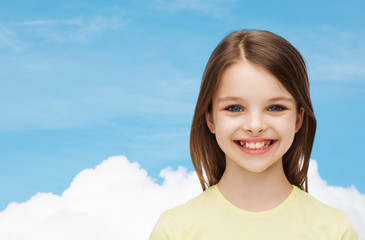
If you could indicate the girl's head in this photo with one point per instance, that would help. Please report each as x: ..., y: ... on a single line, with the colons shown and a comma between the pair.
x: 280, y: 59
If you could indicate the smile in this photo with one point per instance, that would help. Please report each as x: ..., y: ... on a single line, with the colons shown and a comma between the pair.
x: 255, y: 145
x: 252, y: 147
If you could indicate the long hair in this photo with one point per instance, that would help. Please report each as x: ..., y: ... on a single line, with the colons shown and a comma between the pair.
x: 282, y: 60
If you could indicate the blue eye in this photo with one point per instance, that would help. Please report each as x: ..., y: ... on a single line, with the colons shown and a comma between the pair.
x: 276, y: 108
x: 234, y: 108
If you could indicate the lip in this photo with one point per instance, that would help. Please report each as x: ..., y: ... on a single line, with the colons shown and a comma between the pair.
x: 255, y: 139
x: 255, y: 151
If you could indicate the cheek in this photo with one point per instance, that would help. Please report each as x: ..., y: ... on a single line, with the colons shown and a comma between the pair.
x: 225, y: 130
x: 286, y: 127
x: 226, y: 126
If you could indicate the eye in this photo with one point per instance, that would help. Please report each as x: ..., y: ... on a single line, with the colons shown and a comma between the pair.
x: 276, y: 108
x: 234, y: 108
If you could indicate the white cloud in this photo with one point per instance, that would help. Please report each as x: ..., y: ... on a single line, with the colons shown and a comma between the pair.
x: 9, y: 40
x: 118, y: 200
x: 77, y: 29
x: 75, y: 21
x: 349, y: 200
x: 333, y: 54
x: 216, y: 8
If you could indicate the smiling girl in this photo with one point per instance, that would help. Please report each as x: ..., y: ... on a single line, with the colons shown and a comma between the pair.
x: 250, y: 143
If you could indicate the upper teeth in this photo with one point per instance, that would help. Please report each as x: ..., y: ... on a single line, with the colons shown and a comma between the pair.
x: 255, y: 145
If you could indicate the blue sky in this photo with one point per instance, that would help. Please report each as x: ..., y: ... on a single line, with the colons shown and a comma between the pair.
x: 84, y: 80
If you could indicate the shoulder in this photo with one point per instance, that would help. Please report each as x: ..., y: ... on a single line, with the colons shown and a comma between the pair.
x: 324, y: 216
x: 174, y: 222
x: 309, y: 203
x: 193, y: 207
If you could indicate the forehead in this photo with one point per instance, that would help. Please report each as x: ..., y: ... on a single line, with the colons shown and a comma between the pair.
x: 246, y: 80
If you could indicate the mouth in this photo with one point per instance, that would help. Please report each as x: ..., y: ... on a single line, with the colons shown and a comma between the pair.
x: 259, y: 145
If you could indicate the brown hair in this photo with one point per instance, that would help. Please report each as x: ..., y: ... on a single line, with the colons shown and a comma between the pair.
x: 283, y: 61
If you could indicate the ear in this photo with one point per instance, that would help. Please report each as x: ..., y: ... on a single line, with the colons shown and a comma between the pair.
x: 210, y: 122
x: 299, y: 122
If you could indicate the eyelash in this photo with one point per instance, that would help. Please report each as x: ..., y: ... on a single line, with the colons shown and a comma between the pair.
x: 239, y: 109
x: 230, y: 108
x: 281, y: 108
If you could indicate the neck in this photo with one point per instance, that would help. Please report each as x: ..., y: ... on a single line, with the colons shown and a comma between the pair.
x: 255, y: 192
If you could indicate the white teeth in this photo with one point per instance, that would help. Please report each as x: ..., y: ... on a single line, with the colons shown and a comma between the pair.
x: 259, y: 144
x: 255, y: 145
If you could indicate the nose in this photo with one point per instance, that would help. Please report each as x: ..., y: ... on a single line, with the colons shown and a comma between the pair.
x: 254, y: 123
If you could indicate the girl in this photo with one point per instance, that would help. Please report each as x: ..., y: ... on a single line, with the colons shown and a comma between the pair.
x: 252, y: 134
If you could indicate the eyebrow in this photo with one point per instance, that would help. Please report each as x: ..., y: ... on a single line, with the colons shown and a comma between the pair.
x: 281, y: 98
x: 224, y: 99
x: 274, y: 99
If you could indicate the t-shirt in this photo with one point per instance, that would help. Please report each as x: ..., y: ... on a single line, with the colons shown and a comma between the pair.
x: 211, y: 216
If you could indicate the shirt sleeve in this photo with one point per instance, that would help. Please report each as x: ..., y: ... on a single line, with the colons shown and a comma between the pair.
x: 162, y: 230
x: 347, y: 230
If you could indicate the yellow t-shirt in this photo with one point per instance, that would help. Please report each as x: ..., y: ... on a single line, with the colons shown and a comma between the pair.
x: 211, y: 216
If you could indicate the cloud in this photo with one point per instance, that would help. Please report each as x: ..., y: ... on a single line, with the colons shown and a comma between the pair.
x: 335, y: 54
x: 37, y: 107
x: 77, y: 29
x: 216, y: 8
x: 75, y: 21
x: 349, y: 200
x: 9, y: 40
x: 118, y: 200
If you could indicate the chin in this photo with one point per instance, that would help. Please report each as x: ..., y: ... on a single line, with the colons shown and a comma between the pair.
x: 259, y: 168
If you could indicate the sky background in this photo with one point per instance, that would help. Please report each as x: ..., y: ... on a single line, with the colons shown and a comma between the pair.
x: 81, y: 81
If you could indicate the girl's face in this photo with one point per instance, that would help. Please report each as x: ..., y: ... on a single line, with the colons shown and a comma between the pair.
x: 254, y: 118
